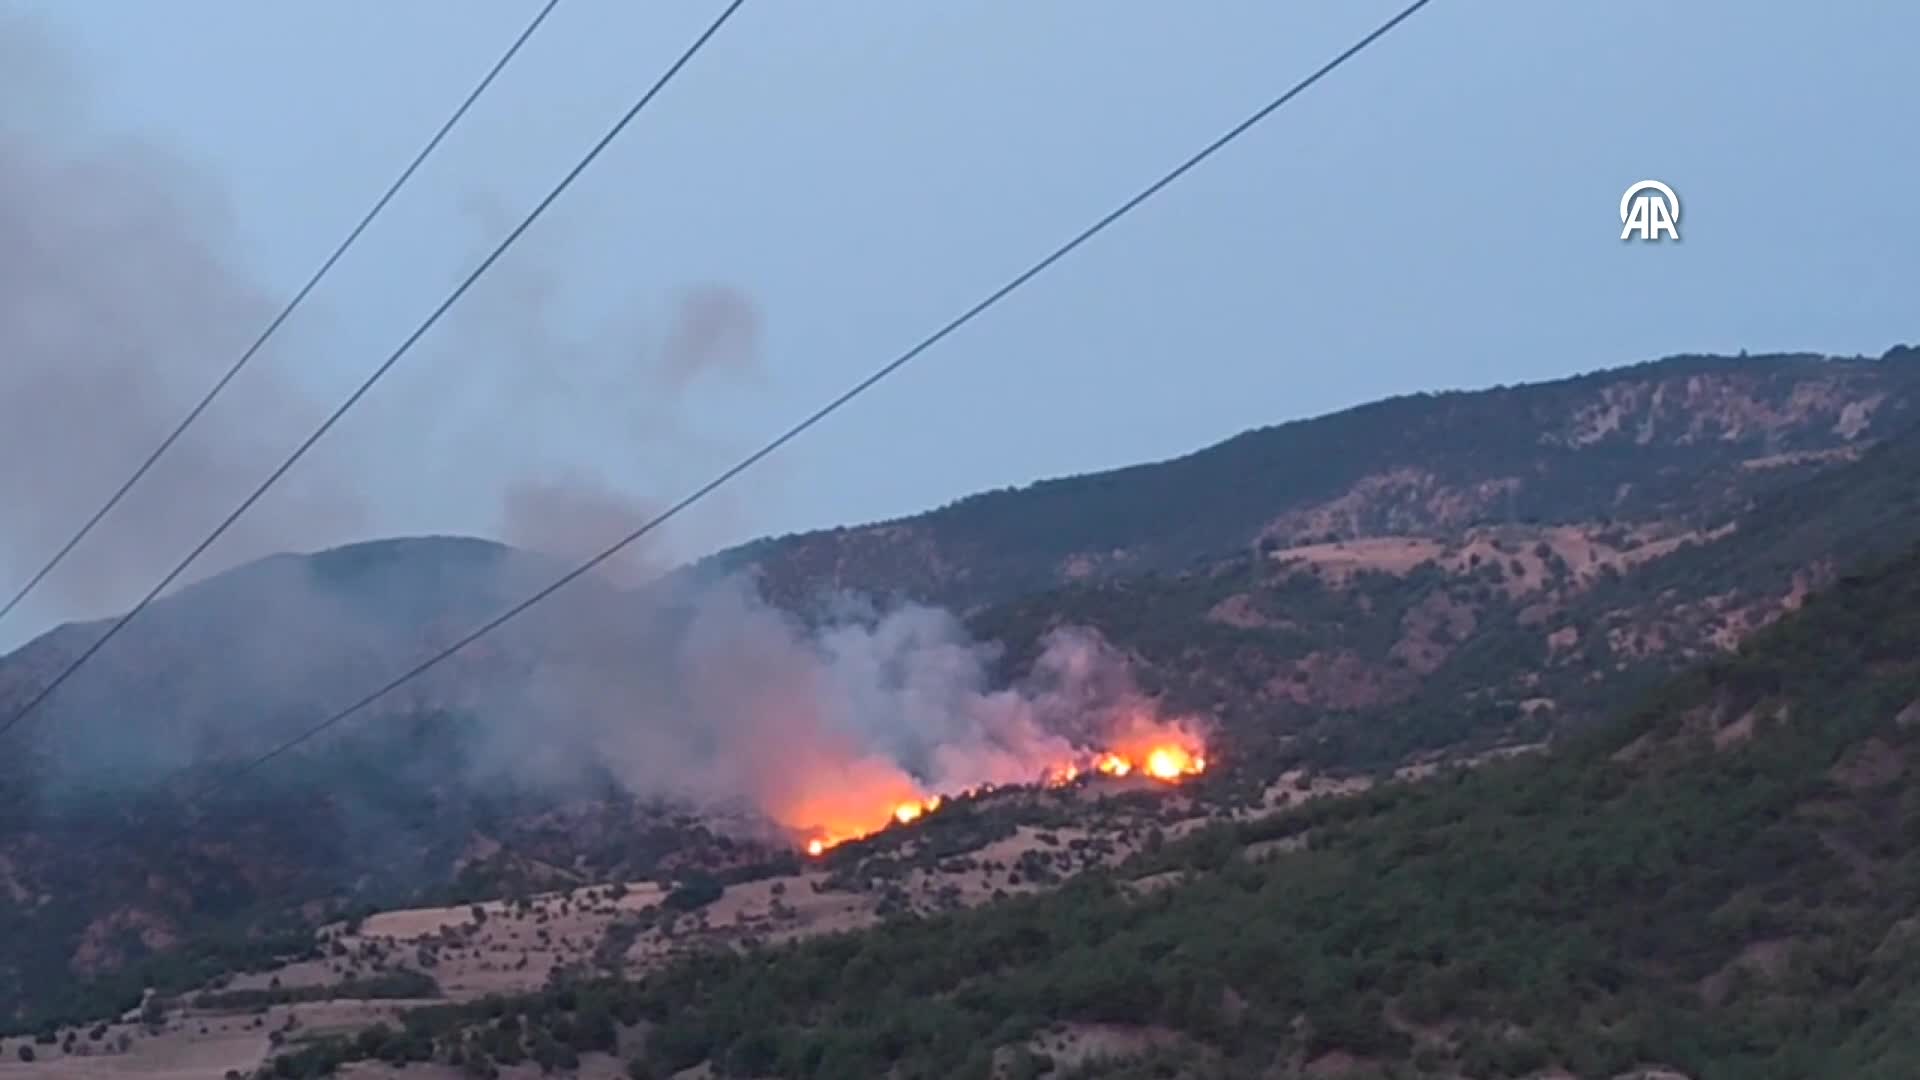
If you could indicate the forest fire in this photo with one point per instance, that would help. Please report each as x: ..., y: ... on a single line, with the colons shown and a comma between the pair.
x: 1173, y: 762
x: 908, y: 812
x: 1167, y: 760
x: 882, y: 719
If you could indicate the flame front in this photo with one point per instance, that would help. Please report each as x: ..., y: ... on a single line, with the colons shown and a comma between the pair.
x: 1163, y: 759
x: 908, y: 812
x: 1173, y: 762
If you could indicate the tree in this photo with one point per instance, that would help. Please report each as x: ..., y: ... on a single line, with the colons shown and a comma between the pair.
x: 694, y: 893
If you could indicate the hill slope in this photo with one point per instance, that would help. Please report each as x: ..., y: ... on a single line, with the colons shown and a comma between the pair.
x: 1324, y: 616
x: 233, y: 662
x: 118, y: 847
x: 1671, y: 441
x: 1358, y: 653
x: 1725, y: 884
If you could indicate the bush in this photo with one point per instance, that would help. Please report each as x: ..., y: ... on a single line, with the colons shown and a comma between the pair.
x: 693, y: 894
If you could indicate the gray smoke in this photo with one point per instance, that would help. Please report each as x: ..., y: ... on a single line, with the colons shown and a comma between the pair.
x: 633, y: 399
x: 582, y: 423
x: 693, y: 691
x: 718, y: 328
x: 120, y: 304
x: 817, y: 724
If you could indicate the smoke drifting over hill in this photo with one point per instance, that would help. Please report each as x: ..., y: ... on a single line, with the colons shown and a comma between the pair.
x: 691, y: 690
x: 122, y: 300
x: 829, y: 725
x: 636, y: 407
x: 118, y: 303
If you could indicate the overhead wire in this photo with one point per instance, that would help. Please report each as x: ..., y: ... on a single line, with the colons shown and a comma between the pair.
x: 197, y: 795
x: 378, y: 373
x: 286, y: 312
x: 831, y: 407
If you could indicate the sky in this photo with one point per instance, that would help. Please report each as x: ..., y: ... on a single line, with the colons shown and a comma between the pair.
x: 1441, y: 212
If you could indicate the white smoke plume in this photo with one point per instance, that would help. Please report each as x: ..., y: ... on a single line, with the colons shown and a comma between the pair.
x: 824, y: 725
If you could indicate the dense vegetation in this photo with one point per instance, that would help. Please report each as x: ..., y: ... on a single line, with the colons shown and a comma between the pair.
x: 62, y: 1000
x: 378, y: 820
x: 1724, y: 881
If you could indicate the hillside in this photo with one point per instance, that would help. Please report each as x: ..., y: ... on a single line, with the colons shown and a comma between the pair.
x: 1674, y: 441
x: 120, y: 842
x: 1358, y: 653
x: 231, y: 663
x: 1721, y: 884
x: 1319, y: 621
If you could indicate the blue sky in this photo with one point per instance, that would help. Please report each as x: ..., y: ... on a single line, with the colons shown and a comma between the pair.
x: 1440, y: 213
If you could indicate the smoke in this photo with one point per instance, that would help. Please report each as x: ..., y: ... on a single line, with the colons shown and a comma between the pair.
x: 121, y: 302
x: 820, y: 725
x: 634, y: 405
x: 117, y: 306
x: 692, y: 691
x: 580, y: 426
x: 718, y: 328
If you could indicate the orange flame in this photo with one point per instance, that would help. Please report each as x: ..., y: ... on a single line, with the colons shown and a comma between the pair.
x: 1173, y: 762
x: 909, y: 812
x: 1163, y: 752
x: 1160, y: 757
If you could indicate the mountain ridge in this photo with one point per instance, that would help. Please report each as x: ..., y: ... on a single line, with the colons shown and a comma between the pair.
x: 1716, y: 885
x: 1335, y: 623
x: 1634, y: 442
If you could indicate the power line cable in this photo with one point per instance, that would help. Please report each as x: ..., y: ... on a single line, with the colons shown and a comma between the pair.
x: 859, y: 388
x: 201, y: 793
x: 285, y: 312
x: 378, y: 373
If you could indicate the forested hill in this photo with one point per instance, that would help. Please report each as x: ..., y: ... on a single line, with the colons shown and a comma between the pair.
x: 1723, y: 884
x: 1359, y: 653
x: 1430, y: 574
x: 1669, y: 440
